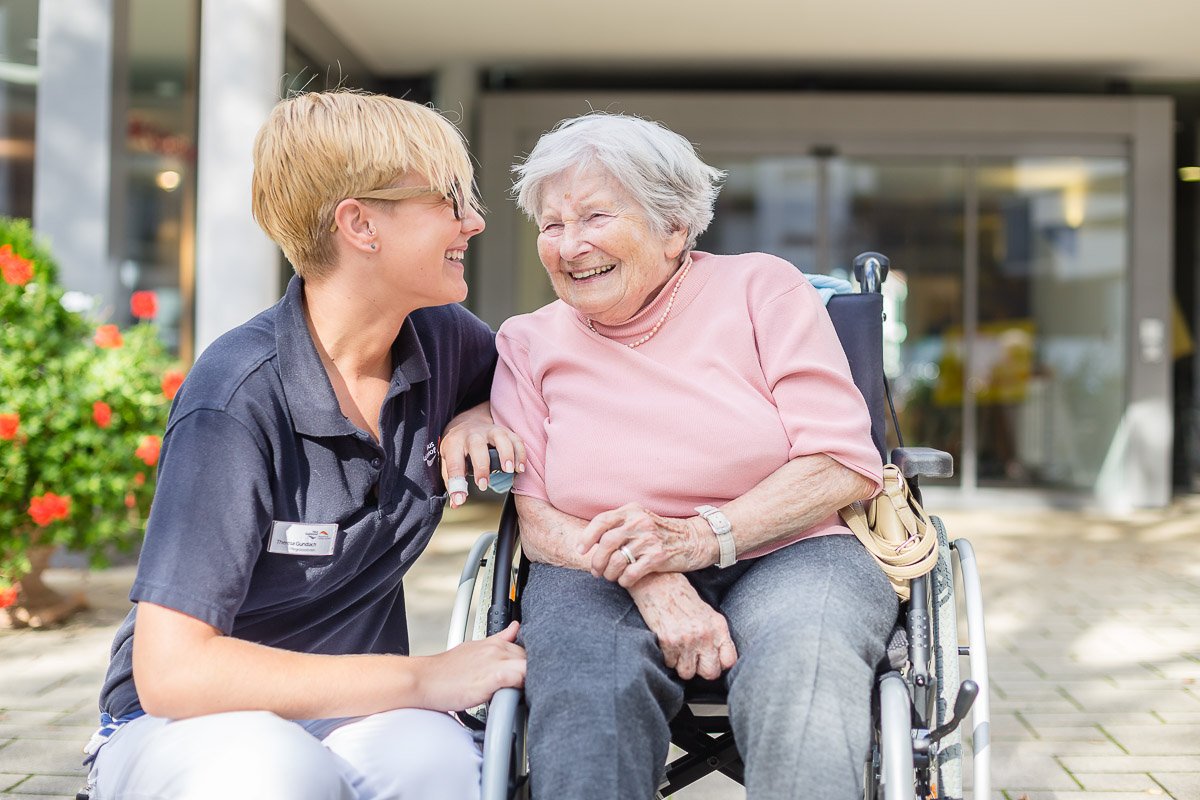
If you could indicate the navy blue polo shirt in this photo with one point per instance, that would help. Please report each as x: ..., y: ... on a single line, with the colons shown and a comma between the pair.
x: 256, y: 438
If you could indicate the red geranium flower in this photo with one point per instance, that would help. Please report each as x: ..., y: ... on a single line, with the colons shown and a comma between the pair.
x: 101, y: 413
x: 172, y: 379
x: 139, y: 479
x: 49, y: 507
x: 8, y: 425
x: 17, y: 271
x: 149, y: 449
x: 130, y: 500
x: 108, y: 336
x: 8, y: 596
x: 144, y: 305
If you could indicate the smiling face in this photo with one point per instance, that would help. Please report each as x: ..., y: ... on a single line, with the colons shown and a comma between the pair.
x: 602, y: 255
x: 424, y: 245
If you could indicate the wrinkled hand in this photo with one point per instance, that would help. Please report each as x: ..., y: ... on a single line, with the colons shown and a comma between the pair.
x: 469, y: 674
x: 693, y: 636
x: 470, y: 434
x: 657, y: 544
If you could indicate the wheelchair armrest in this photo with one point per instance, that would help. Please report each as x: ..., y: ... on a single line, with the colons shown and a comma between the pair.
x: 923, y: 461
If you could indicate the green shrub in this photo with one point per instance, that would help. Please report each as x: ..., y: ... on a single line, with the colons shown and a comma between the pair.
x: 82, y: 407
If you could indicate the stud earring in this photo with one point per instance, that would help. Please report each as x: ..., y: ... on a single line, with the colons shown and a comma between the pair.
x: 372, y: 245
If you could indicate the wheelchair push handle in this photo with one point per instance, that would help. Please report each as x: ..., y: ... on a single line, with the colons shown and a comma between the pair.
x: 499, y: 481
x: 493, y: 461
x: 870, y: 270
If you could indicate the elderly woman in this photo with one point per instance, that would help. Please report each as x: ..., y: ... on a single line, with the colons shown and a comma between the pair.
x: 267, y: 655
x: 691, y: 430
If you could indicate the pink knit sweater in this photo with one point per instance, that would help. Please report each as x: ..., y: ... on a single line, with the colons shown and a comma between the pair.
x: 745, y: 374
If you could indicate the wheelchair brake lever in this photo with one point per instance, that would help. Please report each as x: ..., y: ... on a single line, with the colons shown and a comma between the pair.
x: 967, y: 693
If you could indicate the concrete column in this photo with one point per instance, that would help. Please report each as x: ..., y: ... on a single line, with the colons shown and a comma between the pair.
x: 241, y: 64
x: 74, y: 141
x: 456, y: 94
x: 455, y: 90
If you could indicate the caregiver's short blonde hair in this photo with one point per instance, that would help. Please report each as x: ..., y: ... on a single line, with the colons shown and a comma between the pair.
x: 317, y: 149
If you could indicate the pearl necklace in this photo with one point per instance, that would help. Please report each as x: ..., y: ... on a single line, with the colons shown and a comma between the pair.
x: 661, y: 320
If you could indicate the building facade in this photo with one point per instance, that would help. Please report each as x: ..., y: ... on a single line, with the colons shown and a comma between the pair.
x: 1042, y: 235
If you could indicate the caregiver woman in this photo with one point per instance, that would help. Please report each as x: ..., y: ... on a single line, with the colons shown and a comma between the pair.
x: 691, y: 430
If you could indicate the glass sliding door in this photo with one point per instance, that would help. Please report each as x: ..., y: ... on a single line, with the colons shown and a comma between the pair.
x: 911, y: 210
x: 158, y: 170
x: 1022, y: 382
x: 18, y: 106
x: 769, y: 205
x: 819, y: 213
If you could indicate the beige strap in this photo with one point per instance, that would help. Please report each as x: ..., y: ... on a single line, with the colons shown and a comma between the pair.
x: 894, y: 529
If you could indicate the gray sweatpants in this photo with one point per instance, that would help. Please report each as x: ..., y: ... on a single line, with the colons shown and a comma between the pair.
x: 810, y: 623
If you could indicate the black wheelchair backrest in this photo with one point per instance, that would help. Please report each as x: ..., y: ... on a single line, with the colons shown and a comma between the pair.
x: 858, y: 320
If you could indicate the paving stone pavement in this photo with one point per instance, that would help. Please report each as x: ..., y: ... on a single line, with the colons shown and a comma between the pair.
x: 1093, y: 627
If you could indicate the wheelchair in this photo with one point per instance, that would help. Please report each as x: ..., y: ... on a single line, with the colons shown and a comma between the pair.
x: 919, y: 702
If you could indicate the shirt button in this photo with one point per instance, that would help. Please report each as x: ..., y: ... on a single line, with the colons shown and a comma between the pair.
x: 375, y: 462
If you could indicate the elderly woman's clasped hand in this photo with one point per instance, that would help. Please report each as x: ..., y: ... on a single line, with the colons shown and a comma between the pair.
x: 693, y: 636
x: 647, y: 554
x: 628, y: 543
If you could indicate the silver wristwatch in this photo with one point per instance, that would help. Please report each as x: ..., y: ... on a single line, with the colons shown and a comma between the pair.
x: 724, y: 532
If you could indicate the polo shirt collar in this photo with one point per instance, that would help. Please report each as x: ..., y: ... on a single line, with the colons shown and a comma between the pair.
x: 310, y: 397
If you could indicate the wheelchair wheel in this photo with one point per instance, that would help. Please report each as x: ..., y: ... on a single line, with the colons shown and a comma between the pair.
x: 499, y: 725
x: 896, y: 775
x: 505, y: 762
x: 468, y: 620
x: 947, y: 764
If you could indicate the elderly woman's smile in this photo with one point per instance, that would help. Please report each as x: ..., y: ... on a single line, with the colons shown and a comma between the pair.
x: 603, y: 257
x: 584, y: 274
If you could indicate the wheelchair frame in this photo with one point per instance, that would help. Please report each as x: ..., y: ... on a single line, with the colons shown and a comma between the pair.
x: 919, y: 702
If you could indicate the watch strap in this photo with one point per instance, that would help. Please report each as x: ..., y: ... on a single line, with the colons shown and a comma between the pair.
x: 723, y: 530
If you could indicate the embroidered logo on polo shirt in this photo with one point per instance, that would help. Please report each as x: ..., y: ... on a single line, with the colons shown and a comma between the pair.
x: 430, y: 454
x: 300, y: 539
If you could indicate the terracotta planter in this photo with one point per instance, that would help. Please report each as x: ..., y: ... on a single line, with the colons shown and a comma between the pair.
x: 39, y: 605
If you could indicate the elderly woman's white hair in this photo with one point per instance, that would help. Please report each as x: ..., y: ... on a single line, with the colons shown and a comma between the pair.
x: 657, y: 167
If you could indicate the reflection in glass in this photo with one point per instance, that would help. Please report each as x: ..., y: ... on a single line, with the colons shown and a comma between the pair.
x: 1049, y: 372
x: 768, y: 205
x: 159, y: 165
x: 18, y: 103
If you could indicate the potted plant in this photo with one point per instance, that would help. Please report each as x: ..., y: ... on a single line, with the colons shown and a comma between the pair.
x: 82, y: 407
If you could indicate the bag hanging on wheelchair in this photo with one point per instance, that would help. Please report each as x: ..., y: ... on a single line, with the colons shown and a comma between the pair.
x: 894, y: 529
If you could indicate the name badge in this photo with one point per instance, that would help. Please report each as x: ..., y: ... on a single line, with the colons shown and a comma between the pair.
x: 301, y: 539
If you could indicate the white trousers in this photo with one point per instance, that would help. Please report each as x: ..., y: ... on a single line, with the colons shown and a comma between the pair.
x: 256, y: 755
